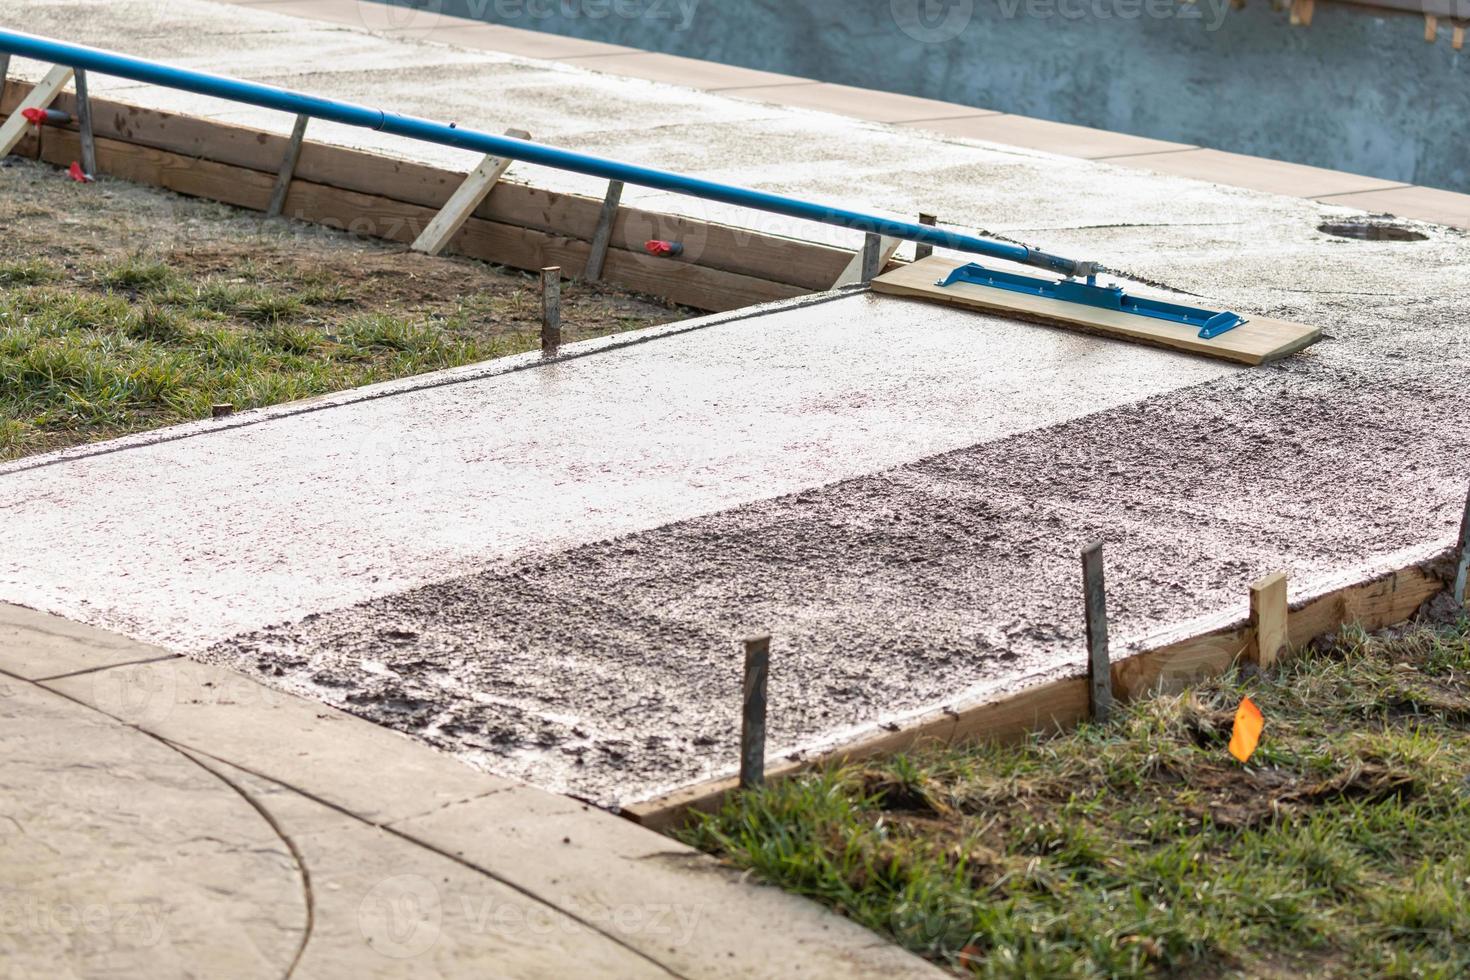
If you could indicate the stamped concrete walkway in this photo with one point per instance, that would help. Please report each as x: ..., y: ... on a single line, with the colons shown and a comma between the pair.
x: 163, y: 818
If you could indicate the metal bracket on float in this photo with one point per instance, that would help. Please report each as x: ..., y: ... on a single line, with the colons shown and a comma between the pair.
x: 1209, y: 323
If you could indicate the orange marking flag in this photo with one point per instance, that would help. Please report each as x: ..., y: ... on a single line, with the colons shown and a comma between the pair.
x: 1249, y: 723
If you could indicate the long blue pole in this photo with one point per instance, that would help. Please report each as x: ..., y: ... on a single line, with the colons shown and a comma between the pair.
x: 270, y: 97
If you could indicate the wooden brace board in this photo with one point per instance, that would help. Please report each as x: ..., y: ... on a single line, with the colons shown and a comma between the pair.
x: 1256, y: 341
x: 14, y: 129
x: 476, y: 187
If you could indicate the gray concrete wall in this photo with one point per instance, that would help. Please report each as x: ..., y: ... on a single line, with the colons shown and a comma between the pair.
x: 1358, y: 90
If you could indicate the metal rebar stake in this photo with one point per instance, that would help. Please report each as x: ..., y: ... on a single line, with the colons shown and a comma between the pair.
x: 1462, y: 576
x: 287, y: 173
x: 753, y: 712
x: 923, y: 250
x: 872, y: 257
x: 550, y: 309
x: 602, y: 237
x: 1099, y: 664
x: 84, y: 123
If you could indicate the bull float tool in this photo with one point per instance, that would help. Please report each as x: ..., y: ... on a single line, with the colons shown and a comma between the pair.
x: 1075, y: 299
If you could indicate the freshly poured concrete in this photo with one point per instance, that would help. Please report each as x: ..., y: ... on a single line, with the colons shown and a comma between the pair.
x: 546, y: 572
x: 300, y: 514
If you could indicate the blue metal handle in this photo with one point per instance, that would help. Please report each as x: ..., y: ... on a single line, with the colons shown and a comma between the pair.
x: 1210, y: 323
x: 270, y: 97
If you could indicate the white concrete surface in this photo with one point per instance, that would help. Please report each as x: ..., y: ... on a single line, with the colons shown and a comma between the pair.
x: 189, y: 542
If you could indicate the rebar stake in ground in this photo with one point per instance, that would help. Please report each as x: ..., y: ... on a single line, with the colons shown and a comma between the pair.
x: 1463, y: 573
x: 753, y: 712
x: 1099, y: 662
x: 550, y: 309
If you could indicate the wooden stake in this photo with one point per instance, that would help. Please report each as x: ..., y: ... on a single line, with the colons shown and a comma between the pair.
x: 45, y: 92
x: 287, y: 173
x: 462, y: 203
x: 1301, y: 12
x: 84, y: 124
x: 222, y: 410
x: 1268, y: 621
x: 922, y: 251
x: 1431, y: 28
x: 602, y: 237
x: 1099, y: 663
x: 1457, y: 38
x: 1462, y: 576
x: 753, y: 712
x: 860, y: 262
x: 550, y: 309
x: 4, y: 74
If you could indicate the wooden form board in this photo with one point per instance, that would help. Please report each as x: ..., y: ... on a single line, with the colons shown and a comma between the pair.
x: 380, y: 217
x: 788, y: 266
x: 13, y: 130
x: 1256, y: 341
x: 1374, y: 603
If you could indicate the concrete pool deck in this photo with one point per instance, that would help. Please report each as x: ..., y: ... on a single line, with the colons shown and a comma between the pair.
x: 954, y: 119
x: 544, y: 570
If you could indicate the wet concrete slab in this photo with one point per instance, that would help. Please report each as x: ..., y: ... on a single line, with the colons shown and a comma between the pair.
x: 612, y: 670
x: 545, y: 572
x: 199, y: 539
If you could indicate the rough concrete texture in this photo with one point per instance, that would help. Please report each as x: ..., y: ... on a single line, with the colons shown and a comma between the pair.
x: 898, y: 495
x: 611, y: 669
x: 175, y: 819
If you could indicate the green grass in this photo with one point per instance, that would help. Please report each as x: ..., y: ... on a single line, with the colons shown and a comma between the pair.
x: 133, y: 344
x: 1140, y: 847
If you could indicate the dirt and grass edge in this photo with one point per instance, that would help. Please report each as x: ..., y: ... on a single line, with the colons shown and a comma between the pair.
x: 1387, y: 593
